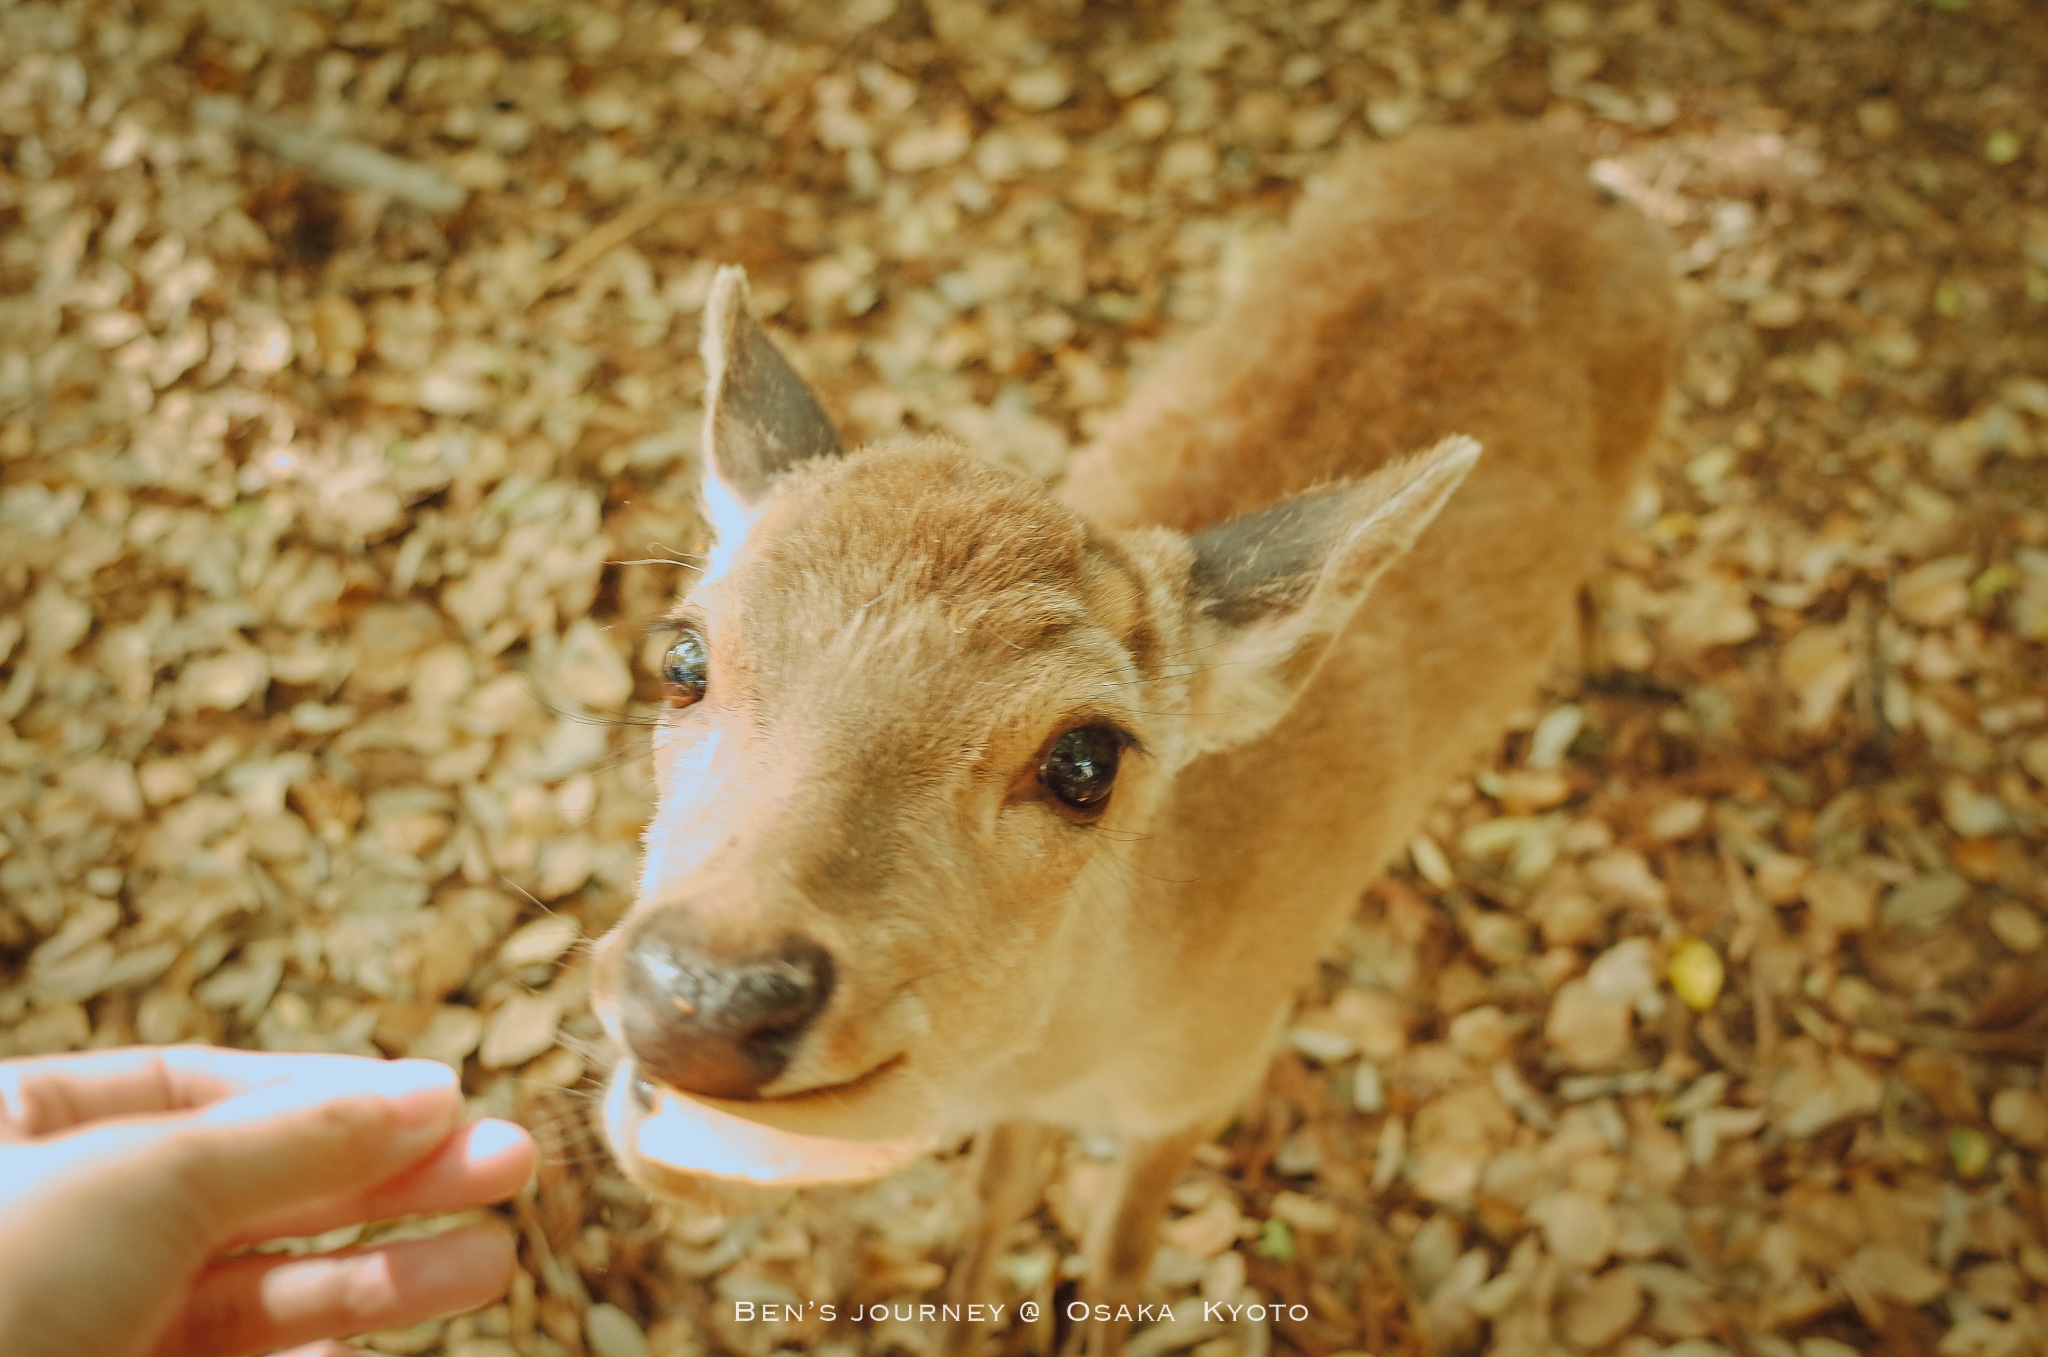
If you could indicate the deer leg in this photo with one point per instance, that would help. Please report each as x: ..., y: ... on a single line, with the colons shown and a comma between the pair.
x: 1010, y: 1172
x: 1124, y: 1235
x: 1592, y: 654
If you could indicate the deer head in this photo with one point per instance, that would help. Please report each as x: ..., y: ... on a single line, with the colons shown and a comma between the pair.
x: 918, y: 706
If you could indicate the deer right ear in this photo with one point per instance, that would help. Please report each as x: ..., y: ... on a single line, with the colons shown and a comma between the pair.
x: 759, y: 417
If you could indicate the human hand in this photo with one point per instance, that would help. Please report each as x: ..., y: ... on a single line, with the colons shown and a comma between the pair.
x: 128, y: 1177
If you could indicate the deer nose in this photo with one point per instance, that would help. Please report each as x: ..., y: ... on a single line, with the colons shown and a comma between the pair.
x: 719, y: 1026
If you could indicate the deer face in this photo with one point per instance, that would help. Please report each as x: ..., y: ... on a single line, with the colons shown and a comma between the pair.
x: 919, y: 711
x: 906, y: 722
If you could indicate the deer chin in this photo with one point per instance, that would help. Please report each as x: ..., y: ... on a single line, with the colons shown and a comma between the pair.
x: 857, y: 1131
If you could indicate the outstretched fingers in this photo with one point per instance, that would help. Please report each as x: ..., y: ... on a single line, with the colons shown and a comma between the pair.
x: 48, y: 1095
x: 278, y: 1147
x: 486, y: 1162
x: 261, y: 1303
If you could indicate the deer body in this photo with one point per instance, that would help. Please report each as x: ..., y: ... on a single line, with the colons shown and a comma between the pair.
x: 1028, y: 810
x: 1454, y: 286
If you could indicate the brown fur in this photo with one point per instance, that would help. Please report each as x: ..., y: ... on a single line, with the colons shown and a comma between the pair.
x: 904, y: 630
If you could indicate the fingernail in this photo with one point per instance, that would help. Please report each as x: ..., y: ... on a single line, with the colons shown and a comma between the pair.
x: 490, y: 1138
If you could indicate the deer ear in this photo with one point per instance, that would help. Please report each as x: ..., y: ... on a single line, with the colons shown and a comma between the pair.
x: 1273, y: 589
x: 759, y: 417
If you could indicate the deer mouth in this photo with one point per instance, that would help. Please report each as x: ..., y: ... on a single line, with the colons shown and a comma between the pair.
x: 841, y: 1133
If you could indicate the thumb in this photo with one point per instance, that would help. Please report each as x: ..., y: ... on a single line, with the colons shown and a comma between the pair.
x: 304, y: 1139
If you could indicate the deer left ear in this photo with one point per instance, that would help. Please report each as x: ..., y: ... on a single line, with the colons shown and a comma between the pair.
x: 1272, y: 590
x: 759, y: 417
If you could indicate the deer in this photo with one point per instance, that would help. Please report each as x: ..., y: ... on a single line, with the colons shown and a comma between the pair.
x: 992, y: 808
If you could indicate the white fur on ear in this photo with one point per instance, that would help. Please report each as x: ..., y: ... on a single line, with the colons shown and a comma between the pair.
x: 1274, y: 589
x: 724, y: 513
x: 759, y: 417
x: 729, y: 520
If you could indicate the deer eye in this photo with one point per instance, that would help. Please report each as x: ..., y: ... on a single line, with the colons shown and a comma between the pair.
x: 684, y: 668
x: 1080, y: 767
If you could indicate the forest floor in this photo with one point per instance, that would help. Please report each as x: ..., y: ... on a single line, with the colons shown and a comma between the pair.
x: 336, y: 489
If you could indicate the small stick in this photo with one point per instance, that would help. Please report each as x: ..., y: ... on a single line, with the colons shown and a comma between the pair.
x: 602, y: 240
x: 337, y: 160
x: 1757, y: 927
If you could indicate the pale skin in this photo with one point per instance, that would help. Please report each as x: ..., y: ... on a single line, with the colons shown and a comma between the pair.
x: 133, y: 1182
